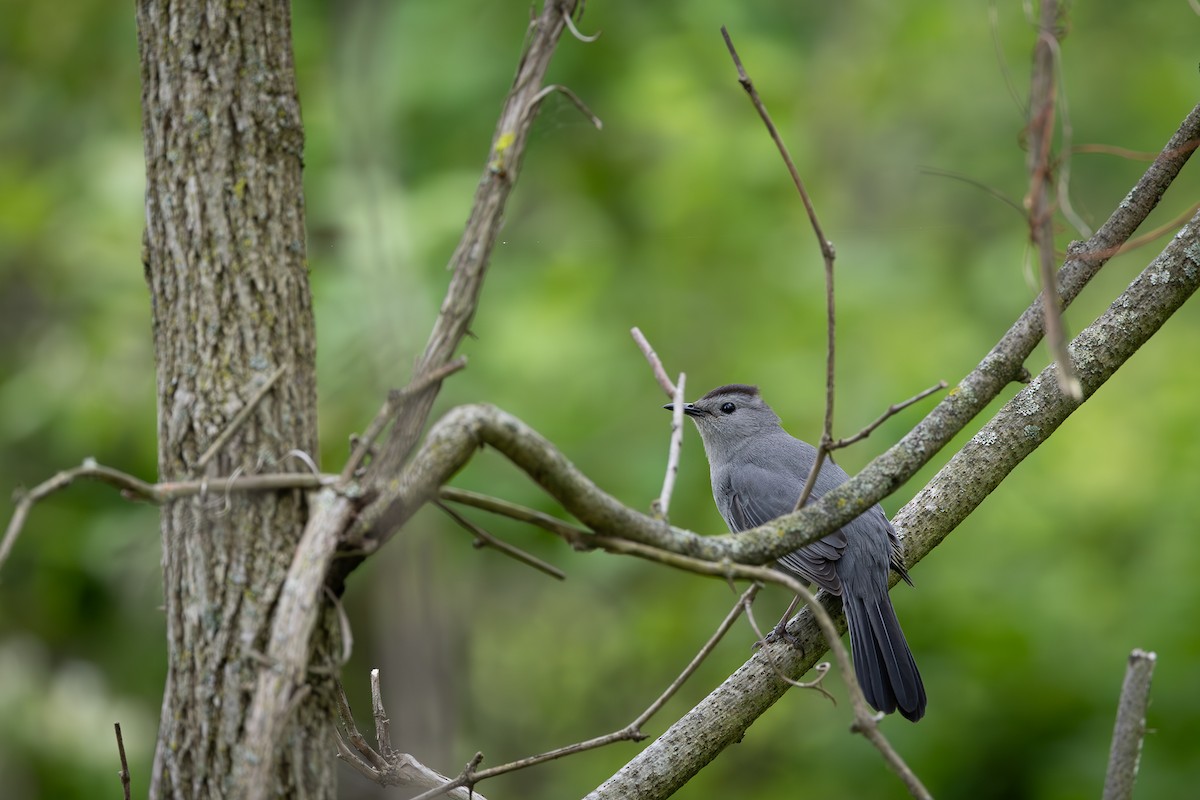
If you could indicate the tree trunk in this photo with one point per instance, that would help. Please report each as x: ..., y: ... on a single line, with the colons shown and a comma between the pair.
x: 225, y: 261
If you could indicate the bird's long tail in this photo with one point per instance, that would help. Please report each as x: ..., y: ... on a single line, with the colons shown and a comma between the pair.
x: 883, y: 663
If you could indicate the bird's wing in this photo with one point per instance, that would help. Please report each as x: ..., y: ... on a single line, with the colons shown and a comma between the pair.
x: 758, y: 495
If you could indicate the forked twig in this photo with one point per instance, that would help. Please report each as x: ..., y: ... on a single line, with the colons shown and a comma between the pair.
x: 891, y: 411
x: 828, y: 254
x: 866, y: 721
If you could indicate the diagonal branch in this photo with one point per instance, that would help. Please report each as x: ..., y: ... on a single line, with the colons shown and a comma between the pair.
x: 469, y: 263
x: 301, y: 597
x: 1020, y: 426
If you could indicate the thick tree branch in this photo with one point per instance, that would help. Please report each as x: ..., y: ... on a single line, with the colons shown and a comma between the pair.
x: 300, y: 600
x: 470, y: 260
x: 446, y: 448
x: 1020, y: 426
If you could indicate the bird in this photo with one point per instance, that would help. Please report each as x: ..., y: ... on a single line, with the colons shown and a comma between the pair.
x: 758, y: 471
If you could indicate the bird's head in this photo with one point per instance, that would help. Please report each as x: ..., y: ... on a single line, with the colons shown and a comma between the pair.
x: 728, y: 416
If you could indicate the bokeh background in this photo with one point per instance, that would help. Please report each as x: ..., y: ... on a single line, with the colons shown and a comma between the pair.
x: 679, y: 218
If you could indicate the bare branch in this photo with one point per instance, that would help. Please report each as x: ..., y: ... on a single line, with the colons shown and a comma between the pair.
x: 385, y: 766
x: 383, y: 726
x: 571, y: 534
x: 485, y: 539
x: 385, y: 413
x: 660, y: 374
x: 828, y: 254
x: 470, y: 260
x: 891, y: 411
x: 668, y: 762
x: 135, y: 488
x: 124, y: 773
x: 1130, y: 728
x: 287, y: 651
x: 546, y: 91
x: 1042, y: 98
x: 827, y: 251
x: 865, y: 720
x: 742, y: 604
x: 663, y: 503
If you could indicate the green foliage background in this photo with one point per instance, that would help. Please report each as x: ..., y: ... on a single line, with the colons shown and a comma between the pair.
x: 678, y: 217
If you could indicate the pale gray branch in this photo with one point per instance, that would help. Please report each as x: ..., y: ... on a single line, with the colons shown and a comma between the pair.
x: 958, y: 488
x: 1130, y: 728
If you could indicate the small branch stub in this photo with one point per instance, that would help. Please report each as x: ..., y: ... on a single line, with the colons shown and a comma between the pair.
x: 1130, y: 729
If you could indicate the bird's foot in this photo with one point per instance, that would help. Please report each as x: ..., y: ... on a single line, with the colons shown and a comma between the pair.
x: 780, y: 634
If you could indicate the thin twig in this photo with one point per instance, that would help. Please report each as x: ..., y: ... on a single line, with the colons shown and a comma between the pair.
x: 483, y: 538
x: 1113, y: 150
x: 375, y: 760
x: 469, y: 263
x: 1001, y: 61
x: 124, y: 773
x: 1042, y: 99
x: 1130, y: 728
x: 383, y: 725
x: 1151, y: 235
x: 742, y: 604
x: 663, y: 503
x: 343, y: 626
x: 865, y: 720
x: 891, y: 411
x: 967, y: 179
x: 135, y: 488
x: 631, y: 732
x: 419, y: 384
x: 575, y: 31
x: 241, y: 416
x: 570, y: 95
x: 828, y: 254
x: 660, y: 374
x: 569, y: 533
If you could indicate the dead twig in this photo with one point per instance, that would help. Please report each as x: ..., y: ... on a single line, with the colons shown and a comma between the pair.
x: 892, y: 410
x: 866, y: 722
x: 485, y: 539
x: 124, y: 773
x: 660, y: 374
x: 419, y: 384
x: 828, y: 254
x: 385, y: 766
x: 546, y: 91
x: 569, y: 533
x: 663, y: 503
x: 575, y: 31
x: 136, y: 488
x: 1130, y: 728
x: 1042, y: 100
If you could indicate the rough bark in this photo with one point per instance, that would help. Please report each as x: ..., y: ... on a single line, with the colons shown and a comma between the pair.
x: 225, y: 262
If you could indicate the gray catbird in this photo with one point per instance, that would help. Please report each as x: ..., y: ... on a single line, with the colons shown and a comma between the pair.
x: 758, y: 470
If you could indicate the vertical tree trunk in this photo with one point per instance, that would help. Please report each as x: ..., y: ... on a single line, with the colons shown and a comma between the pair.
x: 225, y: 261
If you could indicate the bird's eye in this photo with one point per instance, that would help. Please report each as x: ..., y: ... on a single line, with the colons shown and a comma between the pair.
x: 728, y: 408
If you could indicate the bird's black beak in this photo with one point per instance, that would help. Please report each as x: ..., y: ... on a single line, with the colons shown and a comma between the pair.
x: 688, y: 409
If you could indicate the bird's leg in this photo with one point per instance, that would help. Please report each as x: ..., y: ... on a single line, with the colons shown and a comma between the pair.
x: 780, y: 632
